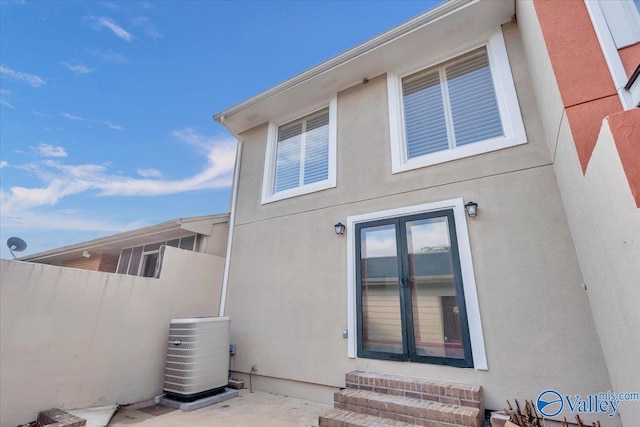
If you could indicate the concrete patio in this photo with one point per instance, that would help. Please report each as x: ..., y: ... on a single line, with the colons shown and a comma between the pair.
x: 248, y: 409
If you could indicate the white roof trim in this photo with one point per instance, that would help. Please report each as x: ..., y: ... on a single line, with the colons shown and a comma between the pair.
x: 449, y: 22
x: 356, y: 51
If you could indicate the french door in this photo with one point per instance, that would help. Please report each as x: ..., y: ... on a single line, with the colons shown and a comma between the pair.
x: 409, y: 290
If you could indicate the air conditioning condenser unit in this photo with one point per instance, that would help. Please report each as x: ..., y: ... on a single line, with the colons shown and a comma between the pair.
x: 197, y: 358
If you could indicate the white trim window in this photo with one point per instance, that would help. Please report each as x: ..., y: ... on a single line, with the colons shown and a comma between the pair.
x: 462, y: 107
x: 301, y: 155
x: 476, y: 336
x: 623, y: 20
x: 617, y: 25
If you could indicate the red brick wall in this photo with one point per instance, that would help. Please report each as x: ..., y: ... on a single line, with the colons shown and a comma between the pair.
x: 96, y: 262
x: 108, y: 263
x: 92, y: 263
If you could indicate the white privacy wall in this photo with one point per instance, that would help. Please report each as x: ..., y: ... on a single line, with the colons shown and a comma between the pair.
x: 75, y: 338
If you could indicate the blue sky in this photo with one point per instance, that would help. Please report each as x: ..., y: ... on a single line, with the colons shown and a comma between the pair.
x: 105, y: 107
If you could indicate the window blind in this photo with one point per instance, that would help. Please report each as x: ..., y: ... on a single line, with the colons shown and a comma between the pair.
x: 302, y: 155
x: 450, y: 105
x: 425, y: 122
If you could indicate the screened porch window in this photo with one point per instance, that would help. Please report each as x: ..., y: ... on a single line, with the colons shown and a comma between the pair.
x: 143, y: 260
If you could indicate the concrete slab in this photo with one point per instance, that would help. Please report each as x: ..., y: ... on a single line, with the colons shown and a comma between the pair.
x: 196, y: 404
x: 96, y: 417
x: 248, y: 409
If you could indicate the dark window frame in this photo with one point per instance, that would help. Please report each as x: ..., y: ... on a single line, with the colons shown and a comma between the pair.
x: 406, y: 310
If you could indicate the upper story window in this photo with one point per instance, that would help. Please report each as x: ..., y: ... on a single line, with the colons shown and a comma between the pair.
x: 461, y: 107
x: 623, y: 21
x: 301, y: 155
x: 617, y: 25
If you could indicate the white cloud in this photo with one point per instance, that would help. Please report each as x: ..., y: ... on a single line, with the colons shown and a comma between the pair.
x: 102, y: 21
x: 63, y: 180
x: 113, y: 125
x: 79, y: 68
x: 76, y: 118
x: 39, y: 114
x: 107, y: 123
x: 6, y: 103
x: 149, y: 173
x: 31, y: 79
x: 108, y: 56
x: 59, y: 220
x: 48, y: 150
x: 3, y: 164
x: 148, y: 27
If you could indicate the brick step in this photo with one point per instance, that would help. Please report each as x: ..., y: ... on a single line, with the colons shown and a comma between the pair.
x: 437, y: 391
x: 338, y: 418
x: 58, y: 418
x: 408, y: 409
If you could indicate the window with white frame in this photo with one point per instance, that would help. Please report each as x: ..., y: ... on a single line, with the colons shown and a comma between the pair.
x: 623, y: 21
x: 461, y: 107
x: 300, y: 155
x: 617, y: 25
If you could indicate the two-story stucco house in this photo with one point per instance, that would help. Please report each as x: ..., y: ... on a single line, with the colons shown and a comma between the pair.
x: 500, y: 103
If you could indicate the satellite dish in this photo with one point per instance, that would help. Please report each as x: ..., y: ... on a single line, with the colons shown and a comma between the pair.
x: 16, y: 244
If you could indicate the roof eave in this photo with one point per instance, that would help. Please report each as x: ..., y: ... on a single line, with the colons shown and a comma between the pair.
x: 439, y: 12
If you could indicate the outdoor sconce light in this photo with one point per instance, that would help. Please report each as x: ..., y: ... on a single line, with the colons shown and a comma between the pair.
x: 339, y: 228
x: 472, y: 209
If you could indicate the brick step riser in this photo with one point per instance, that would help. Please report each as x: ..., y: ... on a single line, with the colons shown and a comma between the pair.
x: 415, y: 412
x: 347, y: 419
x: 449, y: 393
x: 330, y: 422
x: 417, y: 421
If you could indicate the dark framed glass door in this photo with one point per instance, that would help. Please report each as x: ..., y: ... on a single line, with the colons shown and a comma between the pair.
x: 409, y: 290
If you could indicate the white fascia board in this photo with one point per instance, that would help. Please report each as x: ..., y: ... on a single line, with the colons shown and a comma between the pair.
x: 452, y: 23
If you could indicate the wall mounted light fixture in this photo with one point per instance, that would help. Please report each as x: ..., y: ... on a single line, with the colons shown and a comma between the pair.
x: 339, y: 227
x: 472, y: 209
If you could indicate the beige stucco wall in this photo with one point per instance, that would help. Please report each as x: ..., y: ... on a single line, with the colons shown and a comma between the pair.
x: 216, y: 242
x: 288, y: 280
x: 71, y: 338
x: 604, y: 224
x: 364, y: 153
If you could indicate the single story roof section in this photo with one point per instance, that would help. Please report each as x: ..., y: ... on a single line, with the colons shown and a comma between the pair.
x: 113, y: 244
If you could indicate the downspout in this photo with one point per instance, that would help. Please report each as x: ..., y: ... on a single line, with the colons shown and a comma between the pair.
x: 232, y: 219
